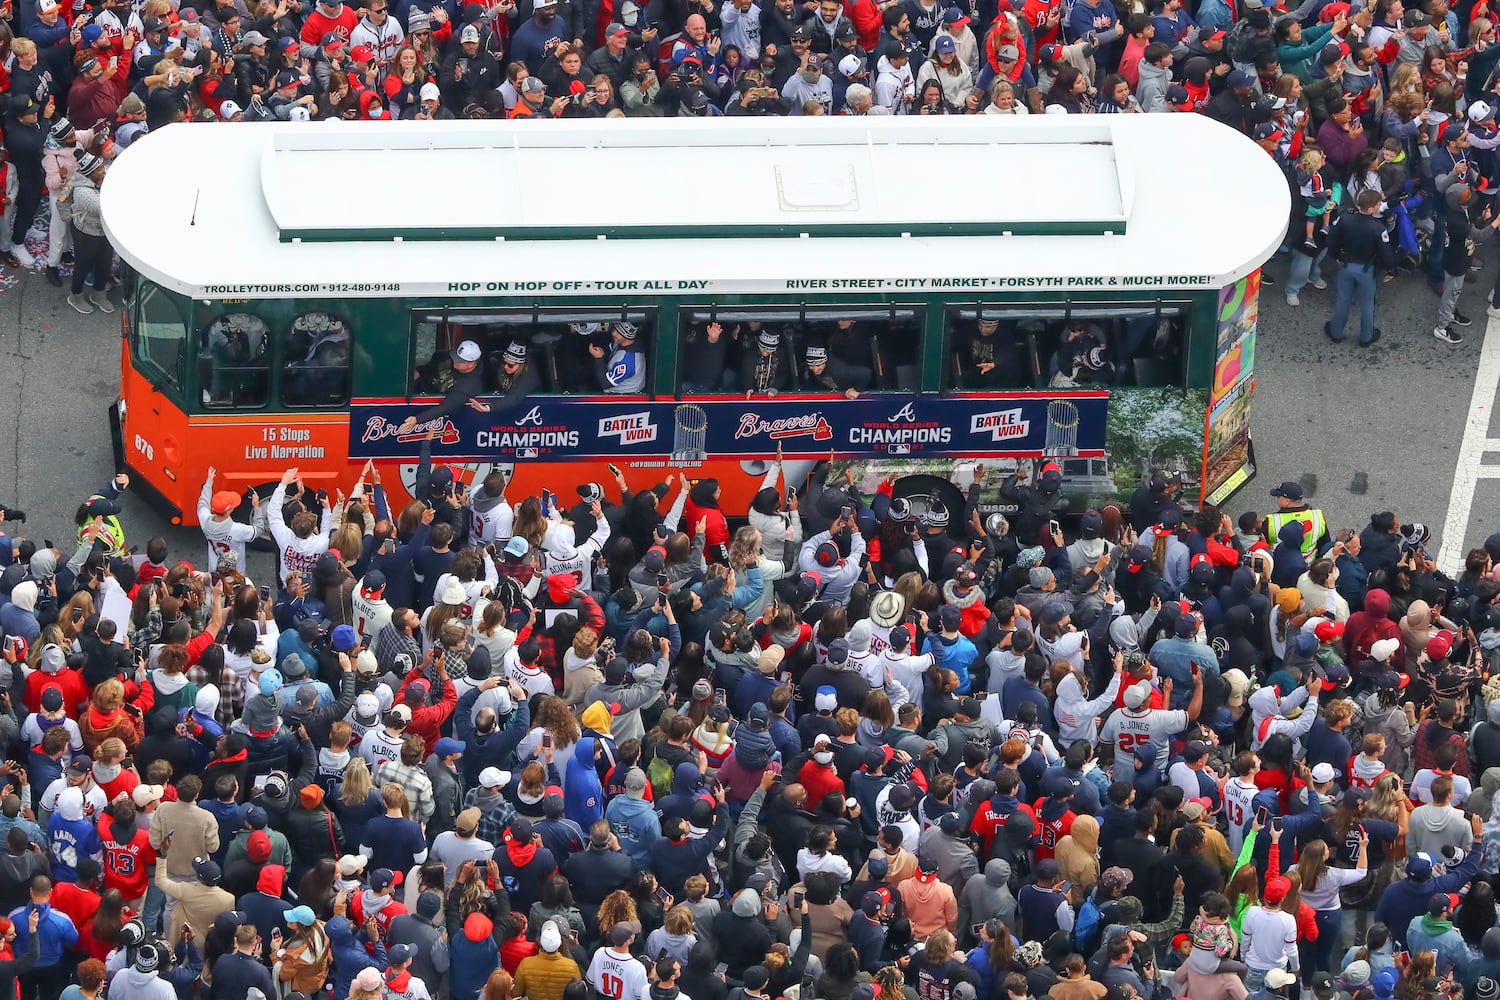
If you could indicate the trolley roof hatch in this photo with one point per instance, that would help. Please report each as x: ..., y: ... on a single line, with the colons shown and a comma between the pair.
x: 845, y: 182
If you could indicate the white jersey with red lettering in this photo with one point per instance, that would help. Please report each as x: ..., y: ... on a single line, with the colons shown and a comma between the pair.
x: 1239, y: 798
x: 371, y: 614
x: 298, y: 555
x: 616, y: 976
x: 1129, y: 730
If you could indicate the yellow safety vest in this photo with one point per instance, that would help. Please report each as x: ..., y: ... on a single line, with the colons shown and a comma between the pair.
x: 112, y: 532
x: 1312, y: 521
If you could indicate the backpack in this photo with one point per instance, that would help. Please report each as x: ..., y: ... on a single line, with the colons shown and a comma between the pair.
x: 1088, y: 927
x: 659, y: 773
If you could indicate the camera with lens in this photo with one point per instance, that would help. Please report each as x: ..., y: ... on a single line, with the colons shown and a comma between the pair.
x: 13, y: 514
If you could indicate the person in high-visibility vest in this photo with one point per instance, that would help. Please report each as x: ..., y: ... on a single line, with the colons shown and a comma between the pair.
x: 105, y: 504
x: 1290, y: 507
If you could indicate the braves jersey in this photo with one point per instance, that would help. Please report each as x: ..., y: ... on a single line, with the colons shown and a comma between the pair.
x: 625, y: 372
x: 371, y: 614
x: 617, y: 977
x: 1238, y: 808
x: 1130, y: 730
x: 298, y: 555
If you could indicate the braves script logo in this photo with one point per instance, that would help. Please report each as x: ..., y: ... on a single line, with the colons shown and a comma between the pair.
x: 378, y: 428
x: 1005, y: 425
x: 804, y: 425
x: 533, y: 416
x: 905, y: 413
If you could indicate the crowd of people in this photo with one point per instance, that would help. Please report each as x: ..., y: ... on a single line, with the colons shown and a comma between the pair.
x: 639, y: 747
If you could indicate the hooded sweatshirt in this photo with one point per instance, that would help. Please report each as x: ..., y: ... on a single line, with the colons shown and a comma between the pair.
x: 988, y: 894
x: 1365, y: 628
x: 134, y: 984
x: 585, y: 798
x: 473, y: 956
x: 1431, y: 827
x: 635, y: 823
x: 930, y: 904
x: 71, y: 837
x: 561, y: 554
x: 1078, y: 853
x: 1429, y: 933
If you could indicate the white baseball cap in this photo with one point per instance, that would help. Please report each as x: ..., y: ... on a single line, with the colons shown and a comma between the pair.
x: 229, y: 109
x: 849, y: 65
x: 1480, y: 112
x: 1323, y: 772
x: 493, y: 777
x: 470, y: 33
x: 430, y: 90
x: 468, y: 351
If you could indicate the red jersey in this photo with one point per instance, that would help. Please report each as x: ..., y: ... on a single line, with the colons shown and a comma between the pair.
x: 127, y: 863
x: 319, y: 24
x: 125, y: 782
x: 1049, y: 832
x: 1036, y: 12
x: 390, y: 911
x: 79, y: 905
x: 988, y: 821
x: 70, y: 682
x: 819, y: 780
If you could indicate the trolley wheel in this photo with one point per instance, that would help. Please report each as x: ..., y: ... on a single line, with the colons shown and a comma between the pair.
x: 923, y: 490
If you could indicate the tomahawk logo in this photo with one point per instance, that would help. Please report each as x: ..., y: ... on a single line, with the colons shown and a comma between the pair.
x: 533, y: 416
x: 905, y: 413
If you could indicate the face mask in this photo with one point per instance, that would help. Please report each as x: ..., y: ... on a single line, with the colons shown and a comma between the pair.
x: 823, y: 757
x: 106, y: 772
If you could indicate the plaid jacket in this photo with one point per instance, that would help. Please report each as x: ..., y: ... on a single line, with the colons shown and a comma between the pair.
x: 417, y: 784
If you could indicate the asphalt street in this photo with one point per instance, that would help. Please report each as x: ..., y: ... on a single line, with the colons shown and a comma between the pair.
x: 1362, y: 429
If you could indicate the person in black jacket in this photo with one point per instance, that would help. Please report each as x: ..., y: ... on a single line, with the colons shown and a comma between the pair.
x: 317, y: 722
x: 240, y: 970
x: 312, y: 831
x: 742, y: 934
x: 468, y: 71
x: 25, y: 137
x: 597, y: 870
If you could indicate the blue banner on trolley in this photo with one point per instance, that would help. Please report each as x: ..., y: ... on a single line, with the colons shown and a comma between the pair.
x: 1026, y: 424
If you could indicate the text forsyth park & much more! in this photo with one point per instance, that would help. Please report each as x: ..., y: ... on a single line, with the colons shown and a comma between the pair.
x: 734, y: 286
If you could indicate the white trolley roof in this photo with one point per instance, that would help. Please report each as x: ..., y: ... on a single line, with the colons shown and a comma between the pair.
x: 730, y: 206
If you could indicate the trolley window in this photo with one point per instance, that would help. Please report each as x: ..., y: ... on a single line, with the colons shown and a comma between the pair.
x: 161, y: 336
x: 795, y: 348
x: 1067, y: 345
x: 233, y: 371
x: 316, y: 362
x: 583, y: 350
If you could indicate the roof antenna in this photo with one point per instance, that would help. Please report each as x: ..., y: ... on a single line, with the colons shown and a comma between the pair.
x: 193, y: 219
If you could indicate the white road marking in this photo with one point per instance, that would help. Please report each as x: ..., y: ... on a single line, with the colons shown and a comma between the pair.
x: 1476, y: 441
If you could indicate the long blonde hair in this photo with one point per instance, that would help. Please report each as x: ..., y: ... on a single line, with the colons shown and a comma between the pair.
x: 1384, y: 802
x: 356, y: 788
